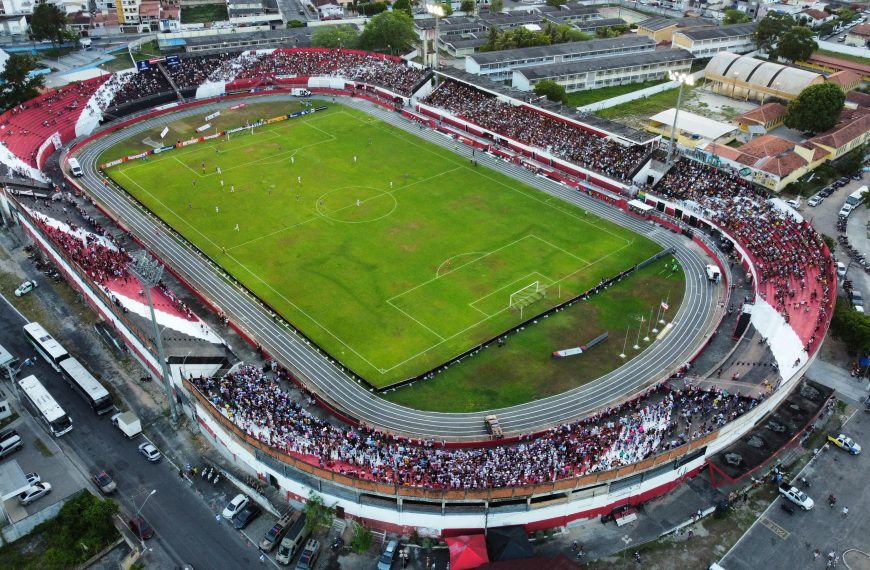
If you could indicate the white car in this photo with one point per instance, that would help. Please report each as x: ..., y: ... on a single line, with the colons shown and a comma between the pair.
x: 814, y: 201
x: 149, y: 451
x: 25, y: 288
x: 33, y: 478
x: 236, y: 505
x: 33, y: 493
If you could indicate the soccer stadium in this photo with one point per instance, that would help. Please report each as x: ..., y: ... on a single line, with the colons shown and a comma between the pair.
x: 473, y: 311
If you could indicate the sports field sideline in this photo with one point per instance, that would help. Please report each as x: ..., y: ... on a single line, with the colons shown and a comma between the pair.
x: 391, y: 253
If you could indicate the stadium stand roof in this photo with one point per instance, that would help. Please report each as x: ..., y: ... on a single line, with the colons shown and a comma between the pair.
x: 595, y: 64
x: 290, y: 37
x: 561, y: 49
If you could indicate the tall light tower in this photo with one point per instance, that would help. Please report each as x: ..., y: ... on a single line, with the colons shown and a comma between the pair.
x: 148, y: 271
x: 684, y: 79
x: 438, y: 11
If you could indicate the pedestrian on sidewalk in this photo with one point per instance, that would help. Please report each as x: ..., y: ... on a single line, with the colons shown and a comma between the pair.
x: 218, y: 519
x: 845, y: 511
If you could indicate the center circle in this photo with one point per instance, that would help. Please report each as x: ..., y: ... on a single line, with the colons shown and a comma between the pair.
x: 356, y: 204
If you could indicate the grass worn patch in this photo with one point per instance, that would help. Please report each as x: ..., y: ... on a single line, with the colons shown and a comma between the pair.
x: 523, y: 369
x: 121, y: 62
x: 647, y: 106
x: 184, y: 129
x: 580, y: 98
x: 393, y: 262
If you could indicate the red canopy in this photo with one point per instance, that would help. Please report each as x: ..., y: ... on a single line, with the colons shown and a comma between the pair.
x: 467, y: 552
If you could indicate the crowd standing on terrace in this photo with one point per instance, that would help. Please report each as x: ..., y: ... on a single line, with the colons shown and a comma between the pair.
x: 258, y: 405
x: 524, y: 124
x: 793, y: 268
x: 92, y: 251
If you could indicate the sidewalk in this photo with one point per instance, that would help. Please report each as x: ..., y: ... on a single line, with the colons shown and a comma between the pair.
x: 836, y: 377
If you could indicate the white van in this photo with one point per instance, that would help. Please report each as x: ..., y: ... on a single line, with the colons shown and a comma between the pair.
x: 841, y: 269
x: 845, y: 211
x: 75, y: 168
x: 10, y: 445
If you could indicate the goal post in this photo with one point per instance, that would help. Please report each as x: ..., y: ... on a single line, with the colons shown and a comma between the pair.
x: 528, y: 295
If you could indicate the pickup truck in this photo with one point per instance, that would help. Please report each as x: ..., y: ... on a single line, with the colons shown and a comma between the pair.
x: 796, y: 496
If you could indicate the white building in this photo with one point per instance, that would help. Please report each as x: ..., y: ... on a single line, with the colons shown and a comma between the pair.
x: 499, y: 65
x: 704, y: 42
x: 11, y: 26
x: 605, y: 71
x: 15, y: 7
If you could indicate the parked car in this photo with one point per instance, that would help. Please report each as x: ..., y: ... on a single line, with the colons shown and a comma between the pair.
x: 237, y: 504
x: 105, y: 483
x: 385, y: 562
x: 245, y: 516
x: 815, y: 200
x: 841, y: 269
x: 149, y: 451
x: 141, y: 528
x: 34, y: 492
x: 33, y: 478
x: 25, y: 288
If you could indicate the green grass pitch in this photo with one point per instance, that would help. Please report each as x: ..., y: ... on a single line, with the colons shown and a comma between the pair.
x: 391, y: 253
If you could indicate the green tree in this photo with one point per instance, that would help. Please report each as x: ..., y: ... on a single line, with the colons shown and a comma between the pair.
x: 816, y: 109
x: 733, y: 16
x: 403, y: 6
x: 48, y: 22
x: 851, y: 327
x: 296, y: 24
x: 496, y: 6
x: 551, y: 90
x: 317, y: 514
x: 467, y: 6
x: 447, y: 8
x: 17, y: 85
x: 607, y: 32
x: 770, y: 28
x: 797, y: 44
x: 845, y: 15
x: 335, y: 36
x: 362, y: 539
x: 372, y: 8
x: 556, y: 3
x: 388, y: 31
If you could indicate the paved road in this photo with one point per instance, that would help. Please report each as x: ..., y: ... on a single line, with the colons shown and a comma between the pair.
x: 186, y: 531
x: 691, y: 324
x: 787, y: 541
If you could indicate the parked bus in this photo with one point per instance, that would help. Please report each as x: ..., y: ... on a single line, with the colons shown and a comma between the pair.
x: 45, y: 345
x: 45, y: 406
x: 88, y: 387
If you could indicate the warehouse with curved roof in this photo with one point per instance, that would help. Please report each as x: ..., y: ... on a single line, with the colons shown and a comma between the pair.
x: 745, y: 77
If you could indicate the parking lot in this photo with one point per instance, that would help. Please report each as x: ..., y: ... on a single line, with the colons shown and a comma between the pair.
x: 40, y: 454
x: 780, y: 539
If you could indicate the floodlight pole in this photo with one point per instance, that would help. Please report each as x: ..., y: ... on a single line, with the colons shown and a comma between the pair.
x: 683, y: 79
x: 437, y: 11
x: 148, y: 271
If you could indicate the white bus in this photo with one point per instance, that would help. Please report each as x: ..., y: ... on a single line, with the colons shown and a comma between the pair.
x: 44, y: 405
x: 88, y: 387
x: 44, y: 343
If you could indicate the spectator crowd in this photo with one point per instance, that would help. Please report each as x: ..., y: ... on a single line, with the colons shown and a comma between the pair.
x: 660, y: 419
x: 523, y: 124
x: 794, y: 270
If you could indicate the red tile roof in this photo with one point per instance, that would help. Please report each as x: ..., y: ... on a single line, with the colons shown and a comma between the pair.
x: 840, y: 64
x: 853, y: 124
x: 767, y: 153
x: 862, y: 30
x: 815, y: 14
x: 844, y: 78
x: 859, y: 98
x: 765, y: 114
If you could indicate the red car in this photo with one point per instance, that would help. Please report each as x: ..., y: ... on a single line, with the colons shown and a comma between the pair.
x: 141, y: 528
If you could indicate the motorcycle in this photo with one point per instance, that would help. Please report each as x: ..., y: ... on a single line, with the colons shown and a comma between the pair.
x: 337, y: 543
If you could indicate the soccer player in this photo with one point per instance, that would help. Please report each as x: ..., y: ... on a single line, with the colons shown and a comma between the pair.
x: 217, y: 210
x: 237, y: 227
x: 299, y: 179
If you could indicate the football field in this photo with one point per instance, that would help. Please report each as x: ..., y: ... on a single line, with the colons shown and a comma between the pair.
x: 391, y: 253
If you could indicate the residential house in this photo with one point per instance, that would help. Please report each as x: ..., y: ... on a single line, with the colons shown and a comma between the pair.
x: 814, y: 18
x: 764, y: 118
x: 859, y: 36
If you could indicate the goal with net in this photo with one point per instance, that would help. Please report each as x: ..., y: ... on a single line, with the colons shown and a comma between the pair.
x: 528, y: 295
